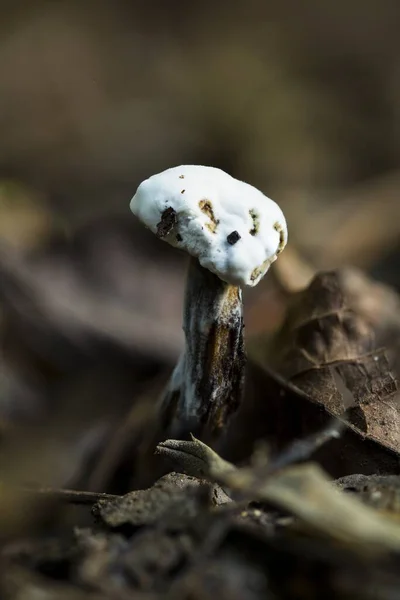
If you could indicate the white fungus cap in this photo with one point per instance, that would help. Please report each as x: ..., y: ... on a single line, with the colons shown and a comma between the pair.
x: 231, y: 227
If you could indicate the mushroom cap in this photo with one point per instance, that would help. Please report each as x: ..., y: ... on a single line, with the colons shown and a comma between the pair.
x: 233, y: 229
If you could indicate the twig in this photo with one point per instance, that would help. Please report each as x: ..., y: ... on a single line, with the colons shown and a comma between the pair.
x: 68, y: 496
x: 301, y: 449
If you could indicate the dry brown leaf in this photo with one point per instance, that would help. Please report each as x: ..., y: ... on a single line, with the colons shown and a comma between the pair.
x: 338, y: 345
x: 277, y: 412
x: 381, y: 492
x: 152, y: 505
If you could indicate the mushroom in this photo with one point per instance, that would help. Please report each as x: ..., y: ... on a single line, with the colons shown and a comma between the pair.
x: 232, y: 233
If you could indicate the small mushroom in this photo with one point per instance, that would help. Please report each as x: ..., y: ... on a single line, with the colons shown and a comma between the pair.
x: 229, y: 229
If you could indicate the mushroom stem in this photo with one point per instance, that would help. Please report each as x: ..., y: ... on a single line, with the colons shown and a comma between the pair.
x: 207, y: 384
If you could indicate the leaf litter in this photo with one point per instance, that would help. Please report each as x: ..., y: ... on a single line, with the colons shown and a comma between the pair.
x: 301, y: 497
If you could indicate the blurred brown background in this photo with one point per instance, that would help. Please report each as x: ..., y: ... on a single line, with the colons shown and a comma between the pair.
x: 301, y: 99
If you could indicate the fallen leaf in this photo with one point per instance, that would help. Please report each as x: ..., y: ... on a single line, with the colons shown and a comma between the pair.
x: 174, y: 493
x: 338, y: 345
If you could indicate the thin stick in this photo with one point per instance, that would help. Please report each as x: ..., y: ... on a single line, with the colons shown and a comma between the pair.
x: 68, y: 496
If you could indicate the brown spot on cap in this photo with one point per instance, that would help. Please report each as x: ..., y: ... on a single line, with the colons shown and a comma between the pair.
x: 256, y: 222
x: 278, y: 227
x: 207, y: 209
x: 167, y: 223
x: 258, y: 271
x: 181, y: 177
x: 182, y: 191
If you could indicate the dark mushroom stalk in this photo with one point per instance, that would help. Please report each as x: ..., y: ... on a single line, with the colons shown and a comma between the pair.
x: 232, y: 233
x: 206, y: 386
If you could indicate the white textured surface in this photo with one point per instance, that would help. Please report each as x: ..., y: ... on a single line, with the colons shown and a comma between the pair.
x: 210, y: 205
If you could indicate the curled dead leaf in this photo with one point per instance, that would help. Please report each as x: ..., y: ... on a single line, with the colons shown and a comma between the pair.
x: 338, y: 344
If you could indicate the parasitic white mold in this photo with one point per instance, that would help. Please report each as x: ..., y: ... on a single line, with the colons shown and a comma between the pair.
x: 233, y: 233
x: 232, y: 228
